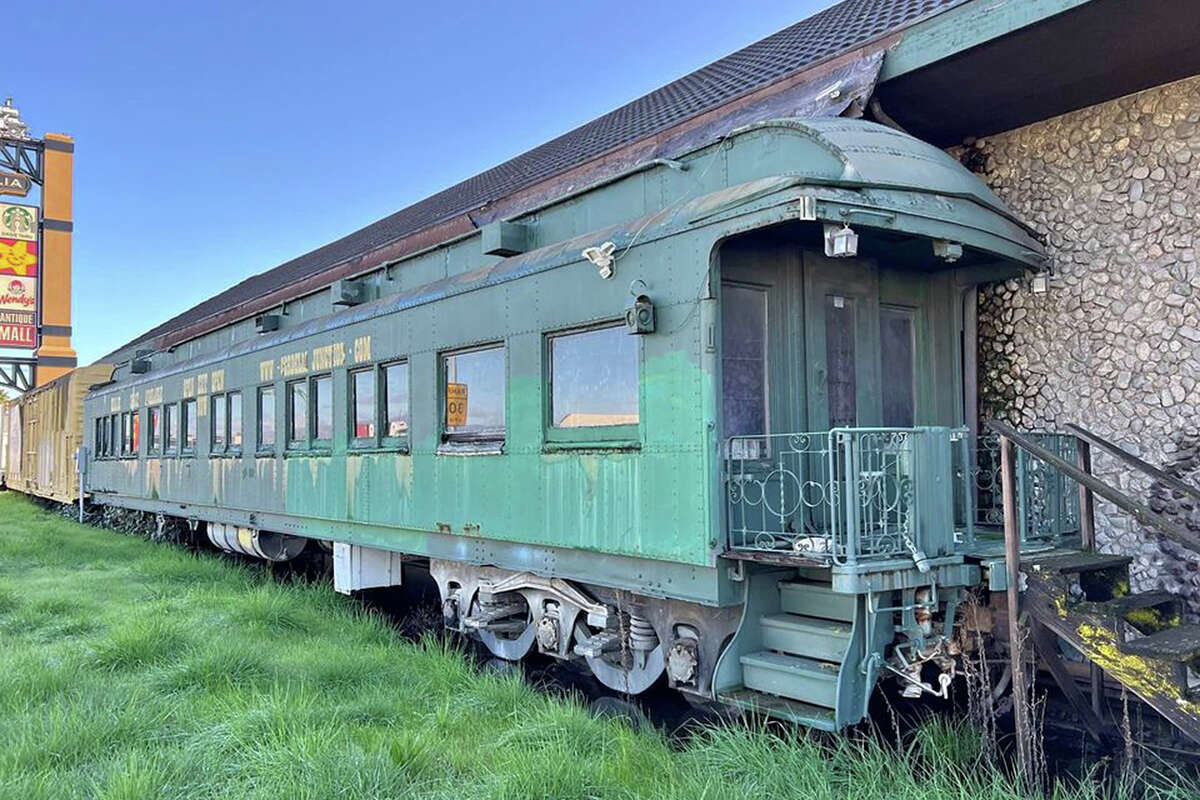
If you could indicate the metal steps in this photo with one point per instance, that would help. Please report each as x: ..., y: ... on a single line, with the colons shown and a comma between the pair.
x: 822, y: 639
x: 800, y: 713
x: 813, y: 599
x: 804, y: 645
x: 793, y: 677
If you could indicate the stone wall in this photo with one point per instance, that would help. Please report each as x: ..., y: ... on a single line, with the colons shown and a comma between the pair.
x: 1115, y: 342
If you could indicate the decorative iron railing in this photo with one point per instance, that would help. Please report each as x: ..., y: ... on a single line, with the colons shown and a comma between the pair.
x: 1047, y: 500
x: 845, y: 495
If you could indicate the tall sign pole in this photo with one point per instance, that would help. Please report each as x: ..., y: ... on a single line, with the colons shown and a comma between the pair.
x: 35, y: 254
x: 55, y: 357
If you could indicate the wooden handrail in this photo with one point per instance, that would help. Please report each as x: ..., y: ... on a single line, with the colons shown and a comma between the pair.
x: 1133, y: 461
x: 1138, y: 511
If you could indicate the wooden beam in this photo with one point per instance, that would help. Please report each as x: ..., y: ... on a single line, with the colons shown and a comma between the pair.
x: 965, y: 26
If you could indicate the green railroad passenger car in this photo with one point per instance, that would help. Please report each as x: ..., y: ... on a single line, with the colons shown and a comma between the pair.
x: 700, y: 422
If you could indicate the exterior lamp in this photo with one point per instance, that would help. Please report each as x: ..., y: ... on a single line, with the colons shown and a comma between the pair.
x: 1040, y: 284
x: 840, y: 242
x: 947, y: 251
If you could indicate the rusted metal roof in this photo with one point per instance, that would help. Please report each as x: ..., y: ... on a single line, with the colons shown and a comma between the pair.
x: 827, y: 34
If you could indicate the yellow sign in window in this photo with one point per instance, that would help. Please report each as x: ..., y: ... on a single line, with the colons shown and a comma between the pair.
x: 456, y: 405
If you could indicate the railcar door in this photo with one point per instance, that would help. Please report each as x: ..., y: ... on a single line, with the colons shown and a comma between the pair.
x: 868, y: 356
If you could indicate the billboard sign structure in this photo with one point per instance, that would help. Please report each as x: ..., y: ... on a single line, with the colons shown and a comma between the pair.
x: 18, y: 276
x: 14, y: 183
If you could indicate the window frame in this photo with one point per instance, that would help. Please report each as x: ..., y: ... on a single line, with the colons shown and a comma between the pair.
x: 450, y: 442
x: 184, y: 416
x: 363, y: 442
x: 215, y: 448
x: 315, y: 443
x: 171, y: 411
x: 126, y: 434
x: 625, y: 436
x: 290, y: 443
x: 400, y: 442
x: 259, y: 447
x: 232, y: 448
x: 154, y: 439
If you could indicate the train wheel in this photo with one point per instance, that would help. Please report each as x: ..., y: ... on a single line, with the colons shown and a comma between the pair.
x: 632, y: 667
x: 505, y: 626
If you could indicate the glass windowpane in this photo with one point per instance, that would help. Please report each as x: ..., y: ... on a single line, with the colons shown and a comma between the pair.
x: 189, y: 424
x: 744, y: 360
x: 172, y: 437
x: 594, y: 378
x: 896, y: 332
x: 395, y: 387
x: 218, y: 422
x: 841, y: 374
x: 266, y: 417
x: 323, y: 408
x: 365, y: 407
x: 474, y: 392
x: 155, y: 432
x: 298, y: 412
x: 235, y: 420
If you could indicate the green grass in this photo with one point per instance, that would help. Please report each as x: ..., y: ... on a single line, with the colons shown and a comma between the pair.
x: 135, y: 670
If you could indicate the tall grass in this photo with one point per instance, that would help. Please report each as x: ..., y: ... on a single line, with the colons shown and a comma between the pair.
x: 134, y: 670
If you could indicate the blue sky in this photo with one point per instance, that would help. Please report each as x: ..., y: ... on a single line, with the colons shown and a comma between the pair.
x: 216, y: 140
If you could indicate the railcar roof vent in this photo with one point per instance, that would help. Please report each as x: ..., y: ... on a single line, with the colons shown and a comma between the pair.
x: 348, y: 292
x: 266, y: 323
x: 139, y: 366
x: 505, y: 238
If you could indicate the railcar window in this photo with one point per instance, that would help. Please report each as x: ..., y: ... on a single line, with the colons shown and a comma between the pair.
x: 154, y: 430
x: 297, y: 394
x: 897, y: 348
x: 322, y: 394
x: 235, y: 421
x: 98, y: 438
x: 135, y: 426
x: 126, y: 434
x: 840, y: 362
x: 395, y: 399
x: 114, y: 435
x: 473, y: 389
x: 219, y: 422
x: 365, y: 405
x: 744, y: 360
x: 266, y: 418
x: 594, y: 378
x: 188, y: 421
x: 171, y: 425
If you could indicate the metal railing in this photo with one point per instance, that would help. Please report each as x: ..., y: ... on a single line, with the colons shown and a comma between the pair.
x: 845, y: 495
x: 1080, y: 475
x: 1047, y: 500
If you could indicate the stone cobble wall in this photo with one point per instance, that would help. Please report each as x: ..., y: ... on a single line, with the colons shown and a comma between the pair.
x: 1115, y: 343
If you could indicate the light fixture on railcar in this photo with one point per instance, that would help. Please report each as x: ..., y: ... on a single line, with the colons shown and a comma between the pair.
x: 840, y: 242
